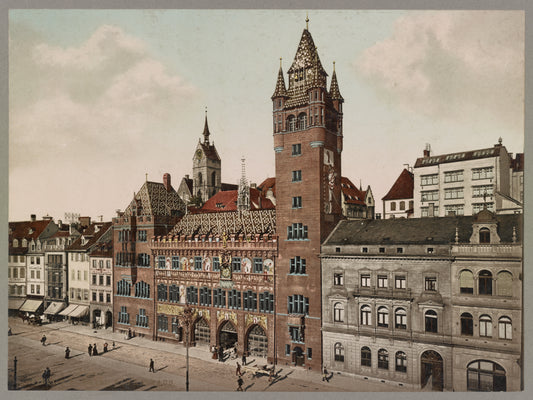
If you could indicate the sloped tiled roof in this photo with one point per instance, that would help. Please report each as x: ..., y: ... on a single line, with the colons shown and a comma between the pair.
x: 268, y: 183
x: 154, y: 199
x: 402, y: 188
x: 91, y: 234
x: 210, y: 151
x: 21, y: 230
x: 227, y: 201
x: 352, y: 195
x: 280, y: 90
x: 419, y: 230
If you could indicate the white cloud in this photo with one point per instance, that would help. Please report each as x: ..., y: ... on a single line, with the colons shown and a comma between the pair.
x: 453, y: 64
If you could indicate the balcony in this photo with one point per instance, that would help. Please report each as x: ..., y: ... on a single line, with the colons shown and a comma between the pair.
x: 488, y: 250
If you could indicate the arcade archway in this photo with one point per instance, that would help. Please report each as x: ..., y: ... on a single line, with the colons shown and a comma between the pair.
x: 202, y: 333
x: 227, y: 337
x: 257, y: 343
x: 431, y: 368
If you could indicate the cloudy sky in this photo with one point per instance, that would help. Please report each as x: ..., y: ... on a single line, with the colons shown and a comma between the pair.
x: 100, y: 98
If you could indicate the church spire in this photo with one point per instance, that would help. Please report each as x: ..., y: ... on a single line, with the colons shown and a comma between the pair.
x: 280, y: 90
x: 243, y: 199
x: 206, y: 130
x: 334, y: 87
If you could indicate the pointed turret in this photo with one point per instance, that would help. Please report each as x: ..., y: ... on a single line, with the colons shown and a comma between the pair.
x: 243, y: 199
x: 280, y: 91
x: 206, y: 130
x: 334, y: 91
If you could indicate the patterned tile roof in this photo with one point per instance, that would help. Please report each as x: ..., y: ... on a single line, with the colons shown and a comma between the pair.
x: 233, y: 222
x: 334, y: 91
x: 210, y: 151
x: 402, y: 188
x: 306, y: 55
x: 280, y: 90
x: 154, y: 199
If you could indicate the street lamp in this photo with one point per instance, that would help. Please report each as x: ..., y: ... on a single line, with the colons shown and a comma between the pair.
x: 186, y: 318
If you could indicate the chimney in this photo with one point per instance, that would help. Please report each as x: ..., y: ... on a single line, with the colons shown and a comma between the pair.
x: 166, y: 182
x: 187, y: 176
x: 59, y: 223
x: 427, y: 150
x: 33, y: 217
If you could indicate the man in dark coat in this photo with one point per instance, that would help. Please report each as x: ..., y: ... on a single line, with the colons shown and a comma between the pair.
x: 151, y: 366
x: 67, y: 353
x: 90, y: 349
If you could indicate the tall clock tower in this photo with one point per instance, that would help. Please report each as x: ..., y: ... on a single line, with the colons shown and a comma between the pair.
x: 307, y: 123
x: 206, y: 167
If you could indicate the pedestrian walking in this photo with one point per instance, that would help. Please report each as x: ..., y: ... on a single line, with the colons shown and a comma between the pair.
x: 113, y: 344
x: 243, y: 358
x: 129, y: 333
x: 67, y: 353
x: 325, y: 375
x: 240, y: 383
x: 238, y: 371
x: 151, y: 366
x: 271, y: 374
x: 220, y: 354
x: 46, y: 376
x: 9, y: 333
x: 105, y: 347
x: 95, y: 351
x: 43, y: 340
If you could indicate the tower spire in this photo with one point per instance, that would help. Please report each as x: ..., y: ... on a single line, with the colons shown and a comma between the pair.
x: 206, y: 129
x: 280, y: 90
x: 334, y: 86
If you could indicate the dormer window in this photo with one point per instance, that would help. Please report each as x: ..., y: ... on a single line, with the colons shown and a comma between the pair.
x: 24, y: 243
x: 15, y: 243
x: 484, y: 235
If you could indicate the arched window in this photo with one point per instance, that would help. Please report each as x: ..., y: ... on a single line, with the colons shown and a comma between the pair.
x: 466, y: 281
x: 485, y: 376
x: 402, y: 205
x: 383, y: 359
x: 411, y: 204
x: 383, y: 317
x: 24, y: 243
x: 291, y: 123
x: 401, y: 361
x: 393, y: 206
x: 505, y: 328
x: 339, y: 352
x: 504, y: 284
x: 338, y: 312
x: 15, y: 243
x: 366, y: 315
x: 366, y: 357
x: 213, y: 178
x: 400, y: 318
x: 485, y: 326
x: 484, y: 235
x: 200, y: 178
x: 431, y: 321
x: 302, y: 121
x: 467, y: 324
x: 485, y: 282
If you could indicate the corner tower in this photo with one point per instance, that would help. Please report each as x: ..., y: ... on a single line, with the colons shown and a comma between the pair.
x: 308, y: 144
x: 206, y: 168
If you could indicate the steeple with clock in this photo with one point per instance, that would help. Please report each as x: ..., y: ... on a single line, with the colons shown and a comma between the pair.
x: 206, y: 167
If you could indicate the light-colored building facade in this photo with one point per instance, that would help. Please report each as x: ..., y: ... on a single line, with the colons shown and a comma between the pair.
x: 398, y: 202
x: 430, y: 303
x: 463, y: 183
x: 101, y: 282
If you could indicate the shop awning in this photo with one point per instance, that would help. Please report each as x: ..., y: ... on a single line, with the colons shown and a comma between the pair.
x: 79, y: 312
x: 15, y: 304
x: 68, y: 310
x: 54, y: 308
x: 31, y: 305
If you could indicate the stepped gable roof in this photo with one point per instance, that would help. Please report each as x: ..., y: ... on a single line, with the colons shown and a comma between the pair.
x: 517, y: 163
x: 461, y: 156
x: 352, y: 195
x: 92, y: 234
x: 154, y: 199
x: 268, y: 183
x: 227, y: 201
x: 280, y: 90
x: 228, y: 186
x: 438, y: 230
x: 402, y: 188
x: 233, y: 222
x: 334, y: 91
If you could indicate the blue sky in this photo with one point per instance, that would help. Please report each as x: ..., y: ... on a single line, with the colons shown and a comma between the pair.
x: 99, y: 98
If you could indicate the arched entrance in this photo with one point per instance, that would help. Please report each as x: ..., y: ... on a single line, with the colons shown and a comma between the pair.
x: 431, y: 369
x: 202, y: 333
x: 485, y: 376
x: 228, y: 335
x: 97, y: 318
x: 257, y: 342
x: 108, y: 319
x: 298, y: 356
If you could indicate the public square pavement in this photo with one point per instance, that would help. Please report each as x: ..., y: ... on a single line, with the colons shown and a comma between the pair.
x: 125, y: 367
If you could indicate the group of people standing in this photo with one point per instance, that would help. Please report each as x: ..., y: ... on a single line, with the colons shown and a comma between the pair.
x: 93, y: 350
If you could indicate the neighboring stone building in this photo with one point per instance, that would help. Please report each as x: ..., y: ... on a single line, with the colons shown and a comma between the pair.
x: 307, y: 122
x: 398, y: 202
x: 356, y: 203
x: 206, y: 172
x: 79, y: 280
x: 26, y: 264
x: 430, y: 303
x: 153, y: 211
x: 463, y: 183
x: 517, y: 177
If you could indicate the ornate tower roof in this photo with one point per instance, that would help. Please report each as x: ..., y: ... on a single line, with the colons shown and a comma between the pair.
x: 280, y: 91
x: 334, y: 91
x: 306, y: 55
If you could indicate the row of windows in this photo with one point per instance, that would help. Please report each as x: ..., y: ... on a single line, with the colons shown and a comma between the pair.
x: 35, y: 289
x: 79, y: 294
x: 504, y: 286
x: 76, y: 275
x: 401, y: 205
x: 298, y: 304
x: 297, y: 231
x: 457, y: 209
x: 100, y: 263
x: 126, y: 236
x: 457, y: 176
x: 505, y: 327
x: 99, y: 280
x: 366, y: 358
x: 298, y: 123
x: 141, y: 319
x: 142, y: 289
x: 16, y: 272
x: 17, y: 258
x: 200, y: 263
x: 17, y: 289
x: 100, y: 297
